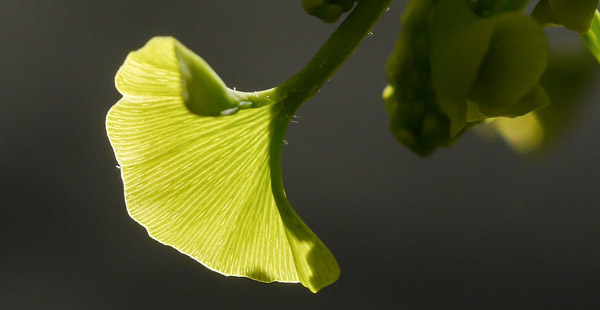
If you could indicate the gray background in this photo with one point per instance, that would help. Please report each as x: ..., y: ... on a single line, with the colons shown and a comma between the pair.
x: 473, y: 226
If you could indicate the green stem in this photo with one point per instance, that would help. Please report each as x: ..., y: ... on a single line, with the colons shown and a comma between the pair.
x: 336, y: 50
x: 299, y: 88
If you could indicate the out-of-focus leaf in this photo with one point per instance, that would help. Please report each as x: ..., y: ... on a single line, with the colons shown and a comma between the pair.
x: 495, y: 62
x: 566, y: 79
x: 544, y: 15
x: 575, y: 15
x: 524, y: 134
x: 592, y: 37
x: 458, y: 63
x: 535, y: 99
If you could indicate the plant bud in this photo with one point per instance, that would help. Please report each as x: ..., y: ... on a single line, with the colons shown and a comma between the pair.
x: 494, y: 63
x: 573, y: 15
x: 328, y: 11
x: 416, y: 119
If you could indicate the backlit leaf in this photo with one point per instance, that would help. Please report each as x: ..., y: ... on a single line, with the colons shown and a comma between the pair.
x: 204, y: 184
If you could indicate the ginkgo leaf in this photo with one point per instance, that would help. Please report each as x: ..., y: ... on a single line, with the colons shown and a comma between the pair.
x: 205, y: 184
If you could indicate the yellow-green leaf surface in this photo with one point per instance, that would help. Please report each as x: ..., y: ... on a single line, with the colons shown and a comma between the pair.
x: 203, y: 184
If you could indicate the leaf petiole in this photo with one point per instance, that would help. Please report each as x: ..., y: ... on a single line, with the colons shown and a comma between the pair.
x: 302, y: 86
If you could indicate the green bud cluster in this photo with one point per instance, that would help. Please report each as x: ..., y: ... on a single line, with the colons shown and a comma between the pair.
x: 459, y: 62
x: 328, y: 11
x: 416, y: 120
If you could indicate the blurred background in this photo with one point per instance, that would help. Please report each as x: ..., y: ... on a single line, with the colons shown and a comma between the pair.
x: 473, y: 226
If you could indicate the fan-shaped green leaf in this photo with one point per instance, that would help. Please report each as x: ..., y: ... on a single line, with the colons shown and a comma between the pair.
x: 203, y: 184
